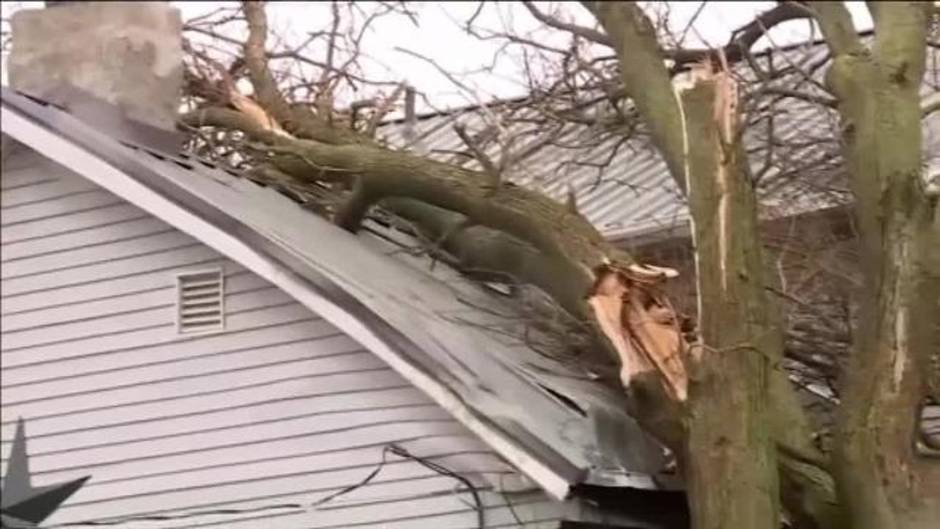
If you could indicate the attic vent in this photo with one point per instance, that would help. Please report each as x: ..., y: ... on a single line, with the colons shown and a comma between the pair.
x: 200, y: 302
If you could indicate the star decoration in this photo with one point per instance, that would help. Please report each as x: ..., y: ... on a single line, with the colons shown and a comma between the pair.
x: 23, y: 505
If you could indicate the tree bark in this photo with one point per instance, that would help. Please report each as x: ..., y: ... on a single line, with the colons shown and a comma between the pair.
x: 731, y: 463
x: 809, y: 492
x: 882, y: 482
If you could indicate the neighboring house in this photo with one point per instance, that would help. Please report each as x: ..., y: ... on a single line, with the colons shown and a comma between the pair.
x: 183, y: 347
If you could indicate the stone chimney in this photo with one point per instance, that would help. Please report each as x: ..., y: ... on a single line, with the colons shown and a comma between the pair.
x: 127, y: 54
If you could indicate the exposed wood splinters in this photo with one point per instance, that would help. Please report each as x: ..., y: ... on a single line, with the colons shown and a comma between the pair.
x: 641, y: 324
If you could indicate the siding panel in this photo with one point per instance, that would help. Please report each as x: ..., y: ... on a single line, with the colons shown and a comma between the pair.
x: 177, y: 455
x: 230, y: 417
x: 279, y: 406
x: 102, y: 251
x: 59, y: 206
x: 37, y: 187
x: 115, y: 362
x: 210, y: 400
x: 161, y: 333
x: 146, y: 259
x: 308, y: 341
x: 63, y: 224
x: 175, y: 386
x: 117, y: 231
x: 28, y: 168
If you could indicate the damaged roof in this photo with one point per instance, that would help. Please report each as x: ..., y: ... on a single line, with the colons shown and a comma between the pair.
x: 446, y: 335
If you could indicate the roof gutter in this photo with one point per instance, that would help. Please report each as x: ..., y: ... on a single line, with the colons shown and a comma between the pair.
x: 80, y: 158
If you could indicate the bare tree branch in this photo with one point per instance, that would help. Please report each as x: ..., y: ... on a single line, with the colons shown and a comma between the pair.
x: 588, y: 33
x: 384, y: 108
x: 743, y: 38
x: 488, y: 166
x: 646, y: 79
x: 836, y: 24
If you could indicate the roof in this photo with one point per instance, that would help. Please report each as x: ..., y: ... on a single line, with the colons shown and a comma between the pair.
x: 444, y: 334
x: 634, y: 196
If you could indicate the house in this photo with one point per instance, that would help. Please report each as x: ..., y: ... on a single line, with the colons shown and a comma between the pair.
x: 183, y: 347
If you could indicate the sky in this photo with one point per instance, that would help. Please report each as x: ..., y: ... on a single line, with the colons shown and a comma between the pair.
x: 440, y: 37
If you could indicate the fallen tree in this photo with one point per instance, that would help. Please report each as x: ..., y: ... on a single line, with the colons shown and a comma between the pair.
x: 722, y: 404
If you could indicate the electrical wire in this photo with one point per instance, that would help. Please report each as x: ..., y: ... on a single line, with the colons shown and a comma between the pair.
x: 387, y: 449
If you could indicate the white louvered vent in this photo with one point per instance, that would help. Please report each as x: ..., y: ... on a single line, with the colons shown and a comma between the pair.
x: 200, y: 305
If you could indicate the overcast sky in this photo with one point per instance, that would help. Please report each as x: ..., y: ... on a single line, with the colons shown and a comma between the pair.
x: 439, y: 36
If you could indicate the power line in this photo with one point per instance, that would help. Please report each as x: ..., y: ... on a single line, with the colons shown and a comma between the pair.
x: 300, y: 507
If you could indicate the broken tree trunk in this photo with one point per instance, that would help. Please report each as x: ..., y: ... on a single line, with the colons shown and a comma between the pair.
x: 807, y: 488
x: 731, y: 462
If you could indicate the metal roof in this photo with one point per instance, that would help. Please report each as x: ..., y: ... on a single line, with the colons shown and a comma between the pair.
x: 442, y: 332
x: 635, y: 195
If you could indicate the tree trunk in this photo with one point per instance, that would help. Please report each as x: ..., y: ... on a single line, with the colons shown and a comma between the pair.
x: 731, y: 461
x: 809, y: 492
x: 882, y: 482
x: 880, y: 478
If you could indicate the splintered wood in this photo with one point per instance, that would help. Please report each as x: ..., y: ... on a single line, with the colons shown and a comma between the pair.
x: 726, y: 116
x: 641, y: 324
x: 255, y: 112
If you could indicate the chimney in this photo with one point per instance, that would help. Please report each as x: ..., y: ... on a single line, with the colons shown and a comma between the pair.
x: 410, y: 114
x: 410, y: 131
x: 127, y: 54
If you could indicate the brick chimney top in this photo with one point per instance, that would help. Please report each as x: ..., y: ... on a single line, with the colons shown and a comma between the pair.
x: 127, y: 54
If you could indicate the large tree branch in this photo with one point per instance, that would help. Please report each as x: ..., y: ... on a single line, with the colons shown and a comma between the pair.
x: 528, y: 215
x: 646, y: 80
x: 571, y: 253
x: 590, y: 34
x: 894, y: 46
x: 835, y: 21
x: 298, y: 120
x: 232, y: 120
x: 743, y: 38
x: 266, y: 90
x: 479, y: 251
x: 735, y: 50
x: 514, y: 231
